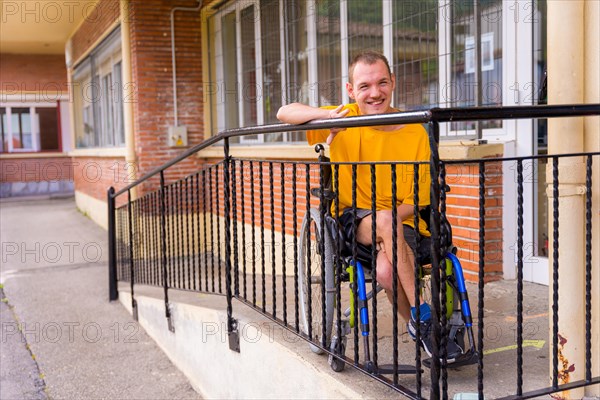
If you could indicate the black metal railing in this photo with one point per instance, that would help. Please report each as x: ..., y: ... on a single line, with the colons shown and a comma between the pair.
x: 233, y: 228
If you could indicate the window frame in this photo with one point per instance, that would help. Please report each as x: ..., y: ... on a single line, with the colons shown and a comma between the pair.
x: 444, y: 57
x: 103, y: 112
x: 9, y: 134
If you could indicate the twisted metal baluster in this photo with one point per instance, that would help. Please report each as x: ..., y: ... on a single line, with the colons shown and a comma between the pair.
x: 588, y: 270
x: 253, y: 223
x: 179, y: 236
x: 338, y: 261
x: 172, y: 244
x: 394, y: 266
x: 354, y: 258
x: 308, y: 276
x: 196, y: 239
x: 555, y: 274
x: 283, y: 260
x: 234, y: 219
x: 204, y: 230
x: 374, y: 260
x: 262, y: 236
x: 480, y: 306
x: 187, y: 232
x: 444, y: 286
x: 218, y: 205
x: 243, y: 218
x: 274, y: 272
x: 519, y: 277
x: 212, y: 237
x: 418, y: 277
x: 295, y: 218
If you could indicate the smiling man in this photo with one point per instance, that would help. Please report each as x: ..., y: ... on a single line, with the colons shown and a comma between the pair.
x: 371, y: 85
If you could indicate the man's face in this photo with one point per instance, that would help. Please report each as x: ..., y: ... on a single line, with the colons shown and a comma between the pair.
x: 371, y: 87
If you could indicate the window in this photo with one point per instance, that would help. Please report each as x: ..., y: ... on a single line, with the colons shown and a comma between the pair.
x: 415, y: 53
x: 265, y: 53
x: 329, y: 53
x: 26, y: 128
x: 98, y: 96
x: 461, y: 89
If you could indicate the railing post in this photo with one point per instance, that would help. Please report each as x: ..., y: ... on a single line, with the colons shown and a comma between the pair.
x: 232, y: 324
x: 113, y: 293
x: 434, y: 132
x: 134, y: 309
x: 163, y: 245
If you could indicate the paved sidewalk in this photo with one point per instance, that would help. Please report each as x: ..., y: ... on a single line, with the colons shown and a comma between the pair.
x: 61, y: 338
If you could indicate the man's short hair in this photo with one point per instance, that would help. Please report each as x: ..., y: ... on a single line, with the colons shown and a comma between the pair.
x: 368, y: 57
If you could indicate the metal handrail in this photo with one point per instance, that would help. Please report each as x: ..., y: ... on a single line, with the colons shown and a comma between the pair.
x: 433, y: 117
x: 413, y: 117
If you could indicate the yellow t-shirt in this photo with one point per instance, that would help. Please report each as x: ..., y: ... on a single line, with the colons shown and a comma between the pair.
x: 409, y: 143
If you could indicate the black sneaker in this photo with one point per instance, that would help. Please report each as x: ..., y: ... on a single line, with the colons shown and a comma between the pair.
x: 452, y: 348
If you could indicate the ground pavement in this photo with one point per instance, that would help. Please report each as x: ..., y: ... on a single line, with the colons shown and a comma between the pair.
x: 61, y: 337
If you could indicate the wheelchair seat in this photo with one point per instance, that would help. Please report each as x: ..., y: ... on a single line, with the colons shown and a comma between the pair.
x: 364, y: 252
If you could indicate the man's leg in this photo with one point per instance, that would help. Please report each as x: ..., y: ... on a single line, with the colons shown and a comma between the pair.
x: 384, y: 277
x: 405, y: 258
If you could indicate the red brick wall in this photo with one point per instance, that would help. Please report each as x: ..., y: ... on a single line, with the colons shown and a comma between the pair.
x: 463, y: 214
x: 95, y: 24
x: 36, y: 169
x: 41, y: 73
x: 152, y: 74
x: 95, y: 175
x: 150, y: 36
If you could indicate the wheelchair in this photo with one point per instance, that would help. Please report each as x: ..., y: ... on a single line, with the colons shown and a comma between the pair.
x: 323, y: 247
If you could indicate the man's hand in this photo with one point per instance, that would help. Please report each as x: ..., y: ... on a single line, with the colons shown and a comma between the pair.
x: 336, y: 113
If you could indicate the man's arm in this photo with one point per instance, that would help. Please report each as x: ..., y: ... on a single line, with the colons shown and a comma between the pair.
x: 297, y: 113
x: 406, y: 211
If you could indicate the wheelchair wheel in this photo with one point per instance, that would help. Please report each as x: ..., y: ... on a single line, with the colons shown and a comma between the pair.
x: 311, y: 299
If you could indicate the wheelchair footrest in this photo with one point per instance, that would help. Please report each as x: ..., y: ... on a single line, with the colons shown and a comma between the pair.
x: 388, y: 369
x: 468, y: 358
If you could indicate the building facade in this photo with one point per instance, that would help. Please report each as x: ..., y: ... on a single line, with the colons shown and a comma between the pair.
x: 139, y: 82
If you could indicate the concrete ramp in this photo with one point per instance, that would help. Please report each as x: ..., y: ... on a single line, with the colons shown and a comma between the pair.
x: 272, y: 363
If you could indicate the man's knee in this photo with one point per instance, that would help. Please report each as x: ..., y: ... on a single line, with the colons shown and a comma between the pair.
x: 384, y: 271
x: 384, y: 276
x: 385, y: 224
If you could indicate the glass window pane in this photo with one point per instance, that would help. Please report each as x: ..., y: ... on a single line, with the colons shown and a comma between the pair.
x: 21, y: 128
x: 297, y: 57
x: 98, y: 111
x: 365, y: 27
x: 298, y: 87
x: 271, y: 58
x: 48, y: 119
x: 415, y: 59
x: 230, y: 79
x: 540, y: 56
x: 117, y: 103
x: 249, y: 84
x: 462, y: 91
x: 329, y: 52
x: 212, y: 87
x: 107, y: 110
x: 87, y: 138
x: 270, y: 94
x: 98, y: 97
